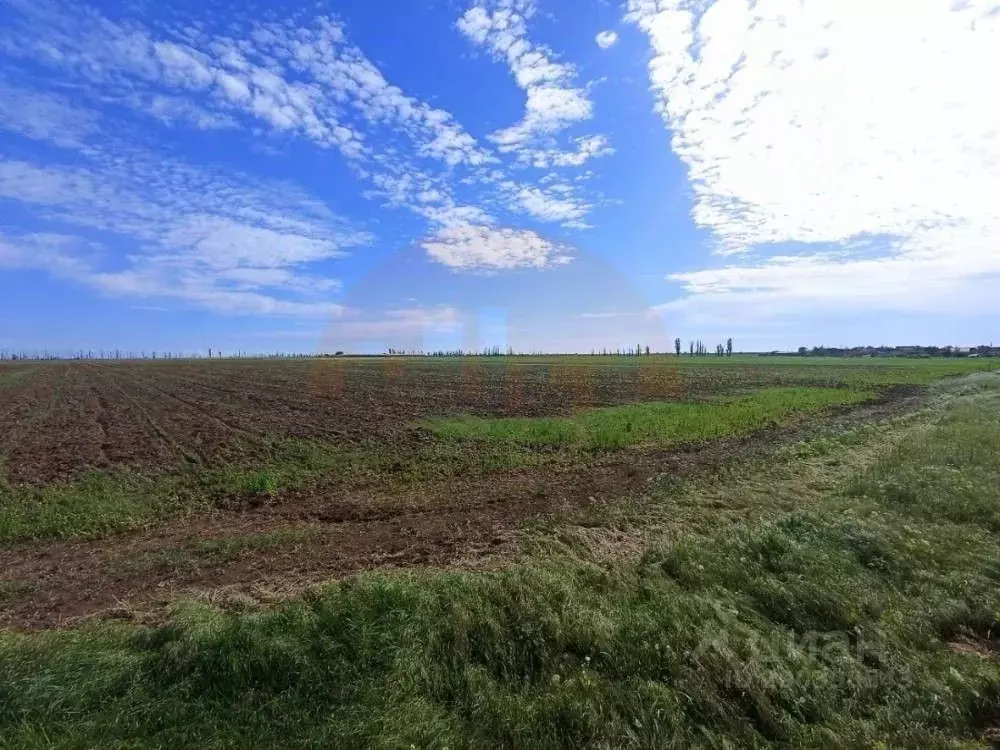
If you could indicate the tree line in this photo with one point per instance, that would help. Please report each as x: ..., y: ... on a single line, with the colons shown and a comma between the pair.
x: 699, y: 349
x: 894, y: 351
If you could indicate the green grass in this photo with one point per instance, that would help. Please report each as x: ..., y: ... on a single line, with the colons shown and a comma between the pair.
x: 661, y: 424
x: 99, y: 503
x: 822, y: 625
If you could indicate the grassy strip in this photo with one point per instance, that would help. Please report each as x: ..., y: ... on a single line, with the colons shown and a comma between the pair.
x: 97, y: 504
x: 826, y: 626
x: 651, y: 424
x: 107, y: 502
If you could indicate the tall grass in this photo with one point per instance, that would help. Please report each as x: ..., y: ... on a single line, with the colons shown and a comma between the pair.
x: 826, y: 626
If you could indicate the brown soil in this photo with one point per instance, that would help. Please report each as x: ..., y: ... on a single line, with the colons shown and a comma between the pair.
x: 64, y: 418
x: 454, y: 522
x: 980, y: 641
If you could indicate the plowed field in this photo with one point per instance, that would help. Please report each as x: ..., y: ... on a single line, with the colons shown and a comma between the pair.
x: 125, y: 483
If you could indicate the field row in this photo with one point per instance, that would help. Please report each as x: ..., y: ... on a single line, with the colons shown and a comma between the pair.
x: 59, y: 419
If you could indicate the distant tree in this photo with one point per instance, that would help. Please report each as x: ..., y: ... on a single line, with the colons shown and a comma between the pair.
x: 729, y: 347
x: 677, y: 346
x: 647, y: 351
x: 691, y: 348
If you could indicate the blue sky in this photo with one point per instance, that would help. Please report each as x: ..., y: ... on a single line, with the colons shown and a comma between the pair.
x: 545, y: 174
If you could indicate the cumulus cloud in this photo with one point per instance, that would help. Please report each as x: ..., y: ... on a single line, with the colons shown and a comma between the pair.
x: 828, y: 123
x: 606, y: 39
x: 481, y: 248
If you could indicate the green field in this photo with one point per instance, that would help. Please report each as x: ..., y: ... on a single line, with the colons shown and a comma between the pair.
x: 828, y: 578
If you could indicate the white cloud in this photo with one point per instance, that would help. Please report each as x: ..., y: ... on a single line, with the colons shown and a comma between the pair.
x: 223, y: 243
x: 206, y: 238
x: 278, y: 278
x: 45, y: 117
x: 173, y: 109
x: 552, y: 204
x: 59, y: 254
x: 606, y: 39
x: 305, y: 79
x: 829, y: 122
x: 553, y: 102
x: 233, y: 87
x: 481, y: 248
x: 587, y: 148
x: 549, y: 109
x: 450, y: 214
x: 207, y: 293
x: 183, y: 65
x: 174, y: 204
x: 900, y: 282
x: 424, y: 194
x: 274, y: 80
x: 67, y: 257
